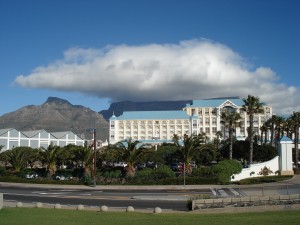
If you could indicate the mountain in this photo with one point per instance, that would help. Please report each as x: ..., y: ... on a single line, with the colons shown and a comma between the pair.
x: 119, y: 107
x: 57, y: 115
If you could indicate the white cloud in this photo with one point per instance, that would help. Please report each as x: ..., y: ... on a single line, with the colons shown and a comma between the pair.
x: 194, y: 69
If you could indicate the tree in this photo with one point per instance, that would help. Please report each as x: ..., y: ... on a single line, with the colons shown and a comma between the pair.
x: 271, y: 125
x: 84, y: 156
x: 230, y: 120
x: 252, y: 106
x: 49, y: 158
x: 264, y: 134
x: 131, y: 152
x: 18, y: 157
x: 188, y: 148
x: 219, y: 135
x: 295, y: 118
x: 280, y: 124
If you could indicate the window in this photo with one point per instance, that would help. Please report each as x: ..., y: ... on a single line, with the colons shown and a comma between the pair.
x: 207, y: 130
x: 193, y: 111
x: 207, y: 121
x: 214, y: 121
x: 206, y: 111
x: 194, y: 123
x: 214, y: 130
x: 200, y: 112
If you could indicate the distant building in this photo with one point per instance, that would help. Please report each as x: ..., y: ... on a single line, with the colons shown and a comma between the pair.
x: 10, y: 138
x: 202, y: 116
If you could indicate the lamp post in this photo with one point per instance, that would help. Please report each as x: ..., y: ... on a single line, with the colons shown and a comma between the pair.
x: 95, y: 149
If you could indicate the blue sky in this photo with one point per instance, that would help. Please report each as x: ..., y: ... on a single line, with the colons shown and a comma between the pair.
x: 93, y: 52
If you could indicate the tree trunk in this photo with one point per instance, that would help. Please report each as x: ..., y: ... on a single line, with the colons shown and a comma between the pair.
x: 230, y: 144
x: 251, y: 139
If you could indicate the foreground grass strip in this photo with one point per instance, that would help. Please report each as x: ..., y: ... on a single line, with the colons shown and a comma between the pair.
x: 35, y: 216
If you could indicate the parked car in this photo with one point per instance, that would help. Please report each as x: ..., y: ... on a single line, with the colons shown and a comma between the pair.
x: 193, y: 164
x: 31, y: 176
x: 141, y: 166
x: 120, y: 164
x: 177, y: 166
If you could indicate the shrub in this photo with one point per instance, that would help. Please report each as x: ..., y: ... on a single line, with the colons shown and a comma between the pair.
x: 225, y: 169
x: 264, y: 179
x: 163, y: 172
x: 202, y: 172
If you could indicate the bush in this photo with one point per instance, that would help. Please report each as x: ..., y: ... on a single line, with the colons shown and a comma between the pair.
x: 264, y: 179
x: 225, y: 169
x: 163, y: 172
x: 202, y: 172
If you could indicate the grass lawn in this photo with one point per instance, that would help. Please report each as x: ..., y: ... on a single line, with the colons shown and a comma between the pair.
x: 36, y: 216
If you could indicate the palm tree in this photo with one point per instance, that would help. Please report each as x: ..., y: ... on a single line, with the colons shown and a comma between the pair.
x: 219, y: 135
x: 271, y: 124
x: 280, y: 124
x: 252, y: 106
x: 189, y: 147
x: 131, y: 151
x: 49, y: 158
x: 18, y: 157
x: 230, y: 120
x: 295, y: 118
x: 264, y: 133
x: 84, y: 156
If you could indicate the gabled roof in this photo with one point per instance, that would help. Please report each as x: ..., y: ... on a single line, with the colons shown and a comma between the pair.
x: 152, y: 115
x: 32, y: 133
x: 214, y: 103
x: 61, y: 134
x: 3, y: 131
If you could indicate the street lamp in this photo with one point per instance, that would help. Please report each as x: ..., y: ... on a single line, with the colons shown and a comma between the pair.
x: 95, y: 149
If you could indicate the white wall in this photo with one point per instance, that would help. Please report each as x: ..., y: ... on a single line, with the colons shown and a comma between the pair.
x: 255, y: 169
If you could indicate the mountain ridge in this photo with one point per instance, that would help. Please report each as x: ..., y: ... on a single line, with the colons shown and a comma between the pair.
x: 57, y: 114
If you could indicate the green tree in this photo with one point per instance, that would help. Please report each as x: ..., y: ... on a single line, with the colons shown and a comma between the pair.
x: 264, y: 134
x: 217, y: 141
x: 84, y: 157
x: 18, y: 157
x: 131, y: 152
x: 231, y: 121
x: 252, y: 106
x: 189, y: 147
x: 295, y: 119
x: 49, y: 158
x: 271, y: 124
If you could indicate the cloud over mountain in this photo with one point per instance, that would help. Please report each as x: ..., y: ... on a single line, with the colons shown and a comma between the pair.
x: 193, y: 69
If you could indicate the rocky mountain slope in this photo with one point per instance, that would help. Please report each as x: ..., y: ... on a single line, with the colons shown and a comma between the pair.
x: 57, y: 115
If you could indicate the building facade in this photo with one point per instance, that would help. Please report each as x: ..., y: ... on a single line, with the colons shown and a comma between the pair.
x: 202, y: 116
x: 10, y: 138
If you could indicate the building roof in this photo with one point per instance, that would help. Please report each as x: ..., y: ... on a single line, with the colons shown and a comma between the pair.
x: 152, y: 115
x: 32, y: 133
x: 3, y: 131
x: 214, y: 102
x: 60, y: 134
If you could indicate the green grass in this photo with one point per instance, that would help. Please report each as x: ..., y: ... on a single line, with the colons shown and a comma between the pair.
x: 35, y: 216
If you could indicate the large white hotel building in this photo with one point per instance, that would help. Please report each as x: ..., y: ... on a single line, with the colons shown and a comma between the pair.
x: 202, y: 116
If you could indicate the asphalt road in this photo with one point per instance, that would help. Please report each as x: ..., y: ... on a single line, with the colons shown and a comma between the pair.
x: 171, y: 198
